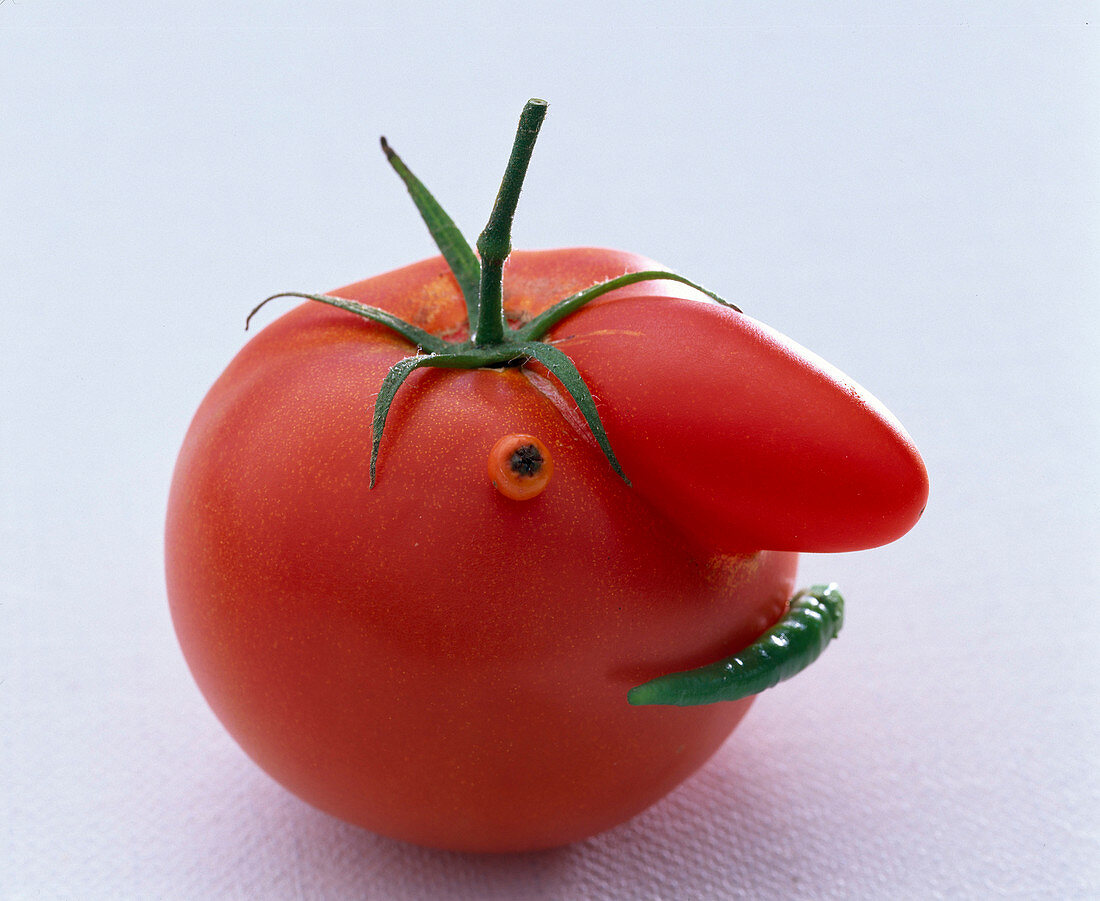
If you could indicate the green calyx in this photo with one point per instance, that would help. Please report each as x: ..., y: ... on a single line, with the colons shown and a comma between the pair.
x: 493, y: 343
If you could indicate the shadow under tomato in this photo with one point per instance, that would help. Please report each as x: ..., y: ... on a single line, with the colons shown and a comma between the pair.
x: 747, y: 817
x: 711, y: 837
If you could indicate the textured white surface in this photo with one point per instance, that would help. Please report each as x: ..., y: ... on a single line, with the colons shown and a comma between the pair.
x: 919, y: 205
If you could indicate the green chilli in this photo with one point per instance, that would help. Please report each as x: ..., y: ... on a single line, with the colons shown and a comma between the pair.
x: 813, y: 619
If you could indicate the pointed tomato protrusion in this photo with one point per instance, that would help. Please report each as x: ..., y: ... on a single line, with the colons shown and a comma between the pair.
x: 740, y: 436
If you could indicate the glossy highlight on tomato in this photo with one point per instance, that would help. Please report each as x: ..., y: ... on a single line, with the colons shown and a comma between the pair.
x: 402, y: 643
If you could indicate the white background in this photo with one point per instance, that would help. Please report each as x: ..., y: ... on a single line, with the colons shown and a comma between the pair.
x: 913, y: 195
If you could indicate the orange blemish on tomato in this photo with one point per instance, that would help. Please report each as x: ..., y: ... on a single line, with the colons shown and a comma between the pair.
x: 520, y: 466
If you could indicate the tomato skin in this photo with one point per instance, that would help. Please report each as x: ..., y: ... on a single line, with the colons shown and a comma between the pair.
x: 427, y: 658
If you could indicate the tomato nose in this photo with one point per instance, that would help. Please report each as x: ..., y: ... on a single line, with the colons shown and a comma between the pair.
x: 742, y: 438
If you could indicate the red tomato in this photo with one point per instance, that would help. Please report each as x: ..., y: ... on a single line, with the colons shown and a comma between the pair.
x: 440, y: 663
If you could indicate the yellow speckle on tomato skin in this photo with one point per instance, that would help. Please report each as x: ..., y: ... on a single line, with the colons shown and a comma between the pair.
x: 434, y: 308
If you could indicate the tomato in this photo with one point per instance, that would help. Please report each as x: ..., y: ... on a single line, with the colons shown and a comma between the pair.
x: 441, y: 661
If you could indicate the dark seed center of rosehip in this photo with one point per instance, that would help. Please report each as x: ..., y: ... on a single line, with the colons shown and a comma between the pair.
x: 526, y: 460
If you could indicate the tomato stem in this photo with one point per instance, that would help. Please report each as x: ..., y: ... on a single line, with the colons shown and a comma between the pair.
x: 495, y: 242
